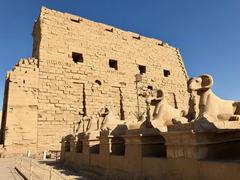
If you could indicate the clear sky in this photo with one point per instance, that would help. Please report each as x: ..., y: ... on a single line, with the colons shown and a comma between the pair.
x: 207, y: 32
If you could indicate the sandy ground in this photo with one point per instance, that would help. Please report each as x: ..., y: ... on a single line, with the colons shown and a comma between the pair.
x: 7, y: 171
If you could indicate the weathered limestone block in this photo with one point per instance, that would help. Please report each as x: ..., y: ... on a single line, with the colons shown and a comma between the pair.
x: 133, y: 153
x: 105, y: 149
x: 76, y: 71
x: 20, y: 105
x: 214, y: 133
x: 139, y: 144
x: 202, y: 145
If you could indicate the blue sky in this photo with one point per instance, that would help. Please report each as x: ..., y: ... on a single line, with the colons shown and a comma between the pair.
x: 207, y: 32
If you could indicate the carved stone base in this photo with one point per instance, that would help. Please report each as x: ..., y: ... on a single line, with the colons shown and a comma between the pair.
x: 205, y: 124
x: 202, y: 145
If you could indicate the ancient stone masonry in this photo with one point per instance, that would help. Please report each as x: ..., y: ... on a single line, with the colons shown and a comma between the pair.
x: 121, y: 103
x: 79, y: 67
x: 169, y: 144
x: 19, y: 119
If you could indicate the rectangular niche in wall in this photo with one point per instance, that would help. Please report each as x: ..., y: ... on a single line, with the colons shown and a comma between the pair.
x: 113, y: 64
x: 67, y: 146
x: 79, y: 147
x: 95, y: 149
x: 142, y: 69
x: 154, y: 146
x: 166, y: 73
x: 75, y: 20
x: 116, y: 102
x: 118, y: 146
x: 77, y: 57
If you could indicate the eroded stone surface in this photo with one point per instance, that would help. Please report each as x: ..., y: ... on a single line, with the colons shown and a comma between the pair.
x: 79, y: 67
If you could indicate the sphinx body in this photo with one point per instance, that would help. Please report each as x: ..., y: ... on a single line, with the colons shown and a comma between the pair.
x: 206, y: 110
x: 109, y: 120
x: 211, y: 106
x: 164, y: 114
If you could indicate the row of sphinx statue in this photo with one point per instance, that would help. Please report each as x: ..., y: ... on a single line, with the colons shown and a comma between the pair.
x: 204, y: 106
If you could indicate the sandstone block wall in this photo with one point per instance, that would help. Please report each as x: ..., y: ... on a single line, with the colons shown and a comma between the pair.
x: 21, y: 107
x: 84, y: 65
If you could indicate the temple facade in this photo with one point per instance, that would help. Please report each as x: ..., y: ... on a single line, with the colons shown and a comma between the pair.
x: 78, y: 67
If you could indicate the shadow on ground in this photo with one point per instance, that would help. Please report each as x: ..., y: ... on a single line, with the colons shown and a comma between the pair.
x: 66, y: 170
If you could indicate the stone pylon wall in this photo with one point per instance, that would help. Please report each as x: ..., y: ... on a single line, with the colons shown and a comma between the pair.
x: 69, y: 90
x: 20, y: 110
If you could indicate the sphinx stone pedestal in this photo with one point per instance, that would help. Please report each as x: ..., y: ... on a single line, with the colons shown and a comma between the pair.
x: 90, y: 144
x: 202, y: 145
x: 105, y: 149
x: 133, y: 152
x: 68, y: 148
x: 140, y: 144
x: 62, y: 155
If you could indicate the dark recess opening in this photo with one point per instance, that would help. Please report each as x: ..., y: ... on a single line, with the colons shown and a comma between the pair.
x: 79, y: 147
x: 122, y: 115
x: 136, y: 37
x: 113, y: 64
x: 77, y: 57
x: 76, y: 20
x: 166, y: 73
x: 67, y: 146
x: 95, y: 149
x: 109, y: 30
x: 150, y: 87
x: 154, y: 146
x: 98, y: 82
x: 84, y: 101
x: 118, y: 146
x: 142, y: 69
